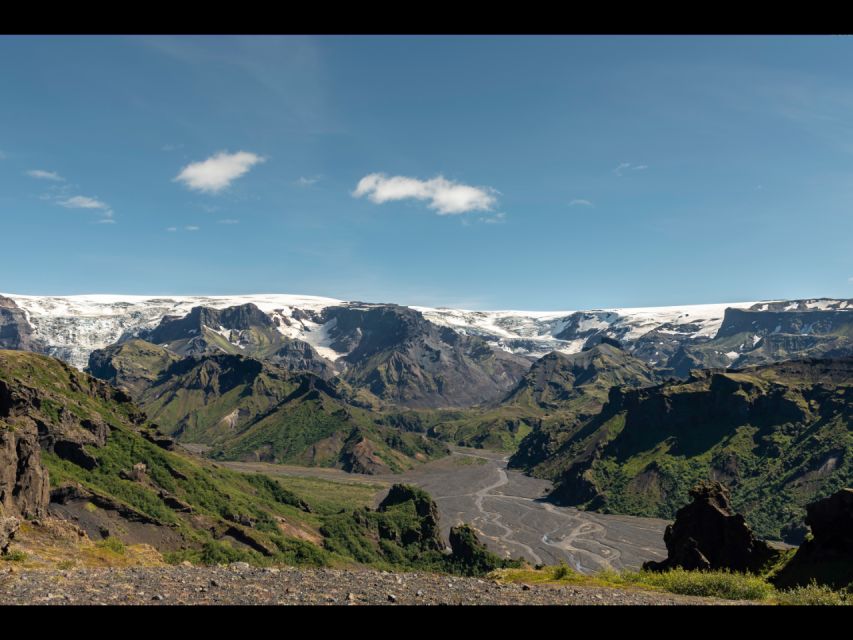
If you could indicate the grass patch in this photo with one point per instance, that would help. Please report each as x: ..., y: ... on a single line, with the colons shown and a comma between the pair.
x: 710, y: 584
x: 812, y: 595
x: 15, y: 556
x: 725, y: 585
x: 112, y: 544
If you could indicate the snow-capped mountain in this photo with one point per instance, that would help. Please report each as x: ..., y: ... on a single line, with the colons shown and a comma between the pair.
x: 74, y: 326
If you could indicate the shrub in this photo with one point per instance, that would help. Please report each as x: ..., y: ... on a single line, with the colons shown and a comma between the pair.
x: 813, y: 594
x: 563, y: 571
x: 15, y: 556
x: 111, y: 544
x: 715, y: 584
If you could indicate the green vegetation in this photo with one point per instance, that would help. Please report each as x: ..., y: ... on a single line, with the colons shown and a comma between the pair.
x: 111, y: 544
x: 14, y: 555
x: 814, y: 594
x: 710, y: 584
x: 245, y: 409
x: 220, y: 515
x: 776, y: 437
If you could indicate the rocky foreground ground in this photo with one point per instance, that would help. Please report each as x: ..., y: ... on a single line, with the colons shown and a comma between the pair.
x: 240, y: 584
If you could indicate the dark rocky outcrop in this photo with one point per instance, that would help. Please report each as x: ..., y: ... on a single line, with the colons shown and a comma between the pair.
x: 15, y: 330
x: 707, y: 534
x: 470, y: 556
x: 243, y: 330
x: 826, y: 556
x: 8, y: 528
x: 401, y: 357
x: 24, y: 486
x: 424, y: 530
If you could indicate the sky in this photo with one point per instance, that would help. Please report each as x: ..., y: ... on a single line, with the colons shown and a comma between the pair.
x: 479, y: 172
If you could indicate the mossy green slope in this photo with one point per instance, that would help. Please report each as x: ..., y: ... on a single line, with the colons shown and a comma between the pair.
x: 245, y: 409
x: 217, y: 515
x: 778, y: 436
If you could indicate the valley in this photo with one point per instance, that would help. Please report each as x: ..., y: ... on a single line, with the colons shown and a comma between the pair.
x: 507, y: 508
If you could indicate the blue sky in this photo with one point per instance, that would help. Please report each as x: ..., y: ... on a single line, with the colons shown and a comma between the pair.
x: 479, y: 172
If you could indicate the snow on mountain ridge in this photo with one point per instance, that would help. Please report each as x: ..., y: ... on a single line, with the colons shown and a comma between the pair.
x: 73, y: 326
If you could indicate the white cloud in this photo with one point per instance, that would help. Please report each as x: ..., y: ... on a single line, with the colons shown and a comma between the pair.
x: 218, y: 171
x: 577, y: 202
x: 498, y: 218
x: 45, y: 175
x: 445, y: 196
x: 106, y: 221
x: 228, y: 221
x: 192, y: 227
x: 624, y: 166
x: 84, y: 202
x: 171, y: 228
x: 307, y: 182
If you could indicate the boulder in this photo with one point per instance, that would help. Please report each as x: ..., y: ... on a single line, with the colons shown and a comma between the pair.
x: 8, y: 528
x: 827, y: 555
x: 24, y: 485
x: 707, y: 535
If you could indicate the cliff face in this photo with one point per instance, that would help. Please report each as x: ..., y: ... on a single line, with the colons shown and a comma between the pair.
x: 779, y: 436
x: 15, y: 330
x: 24, y: 486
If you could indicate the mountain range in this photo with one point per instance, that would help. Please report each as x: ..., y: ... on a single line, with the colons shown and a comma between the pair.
x: 623, y: 408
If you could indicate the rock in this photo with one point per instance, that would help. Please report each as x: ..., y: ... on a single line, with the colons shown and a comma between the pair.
x: 15, y: 330
x: 392, y: 597
x: 8, y: 528
x: 708, y: 535
x: 827, y: 557
x: 157, y: 597
x: 239, y: 566
x: 24, y: 484
x: 425, y: 533
x: 471, y: 556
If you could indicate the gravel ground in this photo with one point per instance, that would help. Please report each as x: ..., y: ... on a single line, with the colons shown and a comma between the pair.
x: 240, y: 584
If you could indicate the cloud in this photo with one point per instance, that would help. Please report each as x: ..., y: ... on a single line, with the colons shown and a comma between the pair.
x: 307, y: 182
x: 171, y: 228
x: 45, y: 175
x: 625, y: 166
x: 577, y: 202
x: 228, y: 221
x: 498, y: 218
x: 84, y: 202
x: 191, y: 227
x: 445, y: 196
x: 218, y: 171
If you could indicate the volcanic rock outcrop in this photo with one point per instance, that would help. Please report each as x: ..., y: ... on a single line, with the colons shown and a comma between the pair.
x: 827, y: 557
x: 707, y: 534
